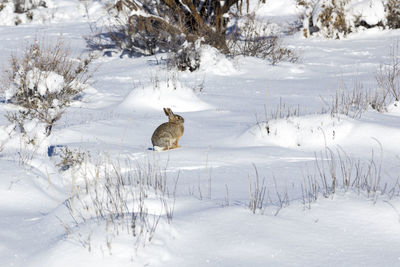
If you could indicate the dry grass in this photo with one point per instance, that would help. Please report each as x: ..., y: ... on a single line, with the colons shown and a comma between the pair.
x: 356, y: 101
x: 128, y: 200
x: 335, y: 172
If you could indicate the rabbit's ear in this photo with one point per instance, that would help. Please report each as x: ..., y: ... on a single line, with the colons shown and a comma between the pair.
x: 168, y: 111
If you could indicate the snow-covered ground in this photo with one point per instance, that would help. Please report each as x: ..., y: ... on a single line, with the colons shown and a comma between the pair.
x: 227, y: 106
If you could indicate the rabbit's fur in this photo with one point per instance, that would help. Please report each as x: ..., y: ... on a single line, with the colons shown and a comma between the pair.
x: 166, y: 135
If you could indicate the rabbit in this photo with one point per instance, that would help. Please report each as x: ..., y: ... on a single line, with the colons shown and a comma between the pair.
x: 166, y: 135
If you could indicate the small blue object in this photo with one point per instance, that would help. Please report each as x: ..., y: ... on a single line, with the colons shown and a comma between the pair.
x: 51, y: 150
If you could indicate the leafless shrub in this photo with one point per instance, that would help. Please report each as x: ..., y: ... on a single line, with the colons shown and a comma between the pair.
x: 388, y: 75
x: 147, y: 27
x: 70, y: 158
x: 254, y: 39
x: 43, y: 81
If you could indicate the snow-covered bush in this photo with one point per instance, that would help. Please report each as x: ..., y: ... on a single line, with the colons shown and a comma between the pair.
x: 393, y: 14
x: 338, y: 18
x: 22, y: 6
x: 186, y: 58
x: 42, y: 82
x: 14, y: 12
x: 147, y: 27
x: 253, y: 38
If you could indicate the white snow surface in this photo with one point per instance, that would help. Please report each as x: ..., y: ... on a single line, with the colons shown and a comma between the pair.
x: 371, y: 11
x: 211, y: 61
x: 276, y: 8
x: 167, y: 93
x: 224, y: 148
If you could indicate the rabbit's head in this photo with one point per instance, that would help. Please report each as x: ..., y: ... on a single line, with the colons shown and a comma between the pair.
x: 174, y: 118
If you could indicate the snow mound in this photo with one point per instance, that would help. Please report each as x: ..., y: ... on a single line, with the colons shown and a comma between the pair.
x: 34, y: 140
x: 394, y: 108
x: 370, y: 11
x: 312, y: 131
x: 277, y: 8
x: 212, y: 61
x: 168, y: 93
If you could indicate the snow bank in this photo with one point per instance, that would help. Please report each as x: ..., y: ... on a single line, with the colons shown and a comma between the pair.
x: 34, y: 140
x: 274, y: 8
x: 168, y: 93
x: 313, y: 131
x: 370, y: 11
x: 394, y: 108
x: 212, y: 61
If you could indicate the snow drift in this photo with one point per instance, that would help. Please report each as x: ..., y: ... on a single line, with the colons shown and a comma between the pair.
x: 169, y: 93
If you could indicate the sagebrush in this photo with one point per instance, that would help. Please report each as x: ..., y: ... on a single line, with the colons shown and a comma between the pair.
x: 254, y: 38
x: 43, y: 80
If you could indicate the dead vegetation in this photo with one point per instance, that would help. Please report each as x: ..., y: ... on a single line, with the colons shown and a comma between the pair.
x: 146, y: 27
x: 43, y: 80
x: 331, y: 18
x: 393, y: 14
x: 254, y: 38
x: 181, y: 27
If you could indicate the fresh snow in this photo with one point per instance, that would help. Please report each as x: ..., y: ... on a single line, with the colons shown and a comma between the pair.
x: 372, y: 12
x: 46, y: 81
x: 168, y: 93
x: 227, y: 106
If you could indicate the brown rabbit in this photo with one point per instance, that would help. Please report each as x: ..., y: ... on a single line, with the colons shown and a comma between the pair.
x: 166, y: 135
